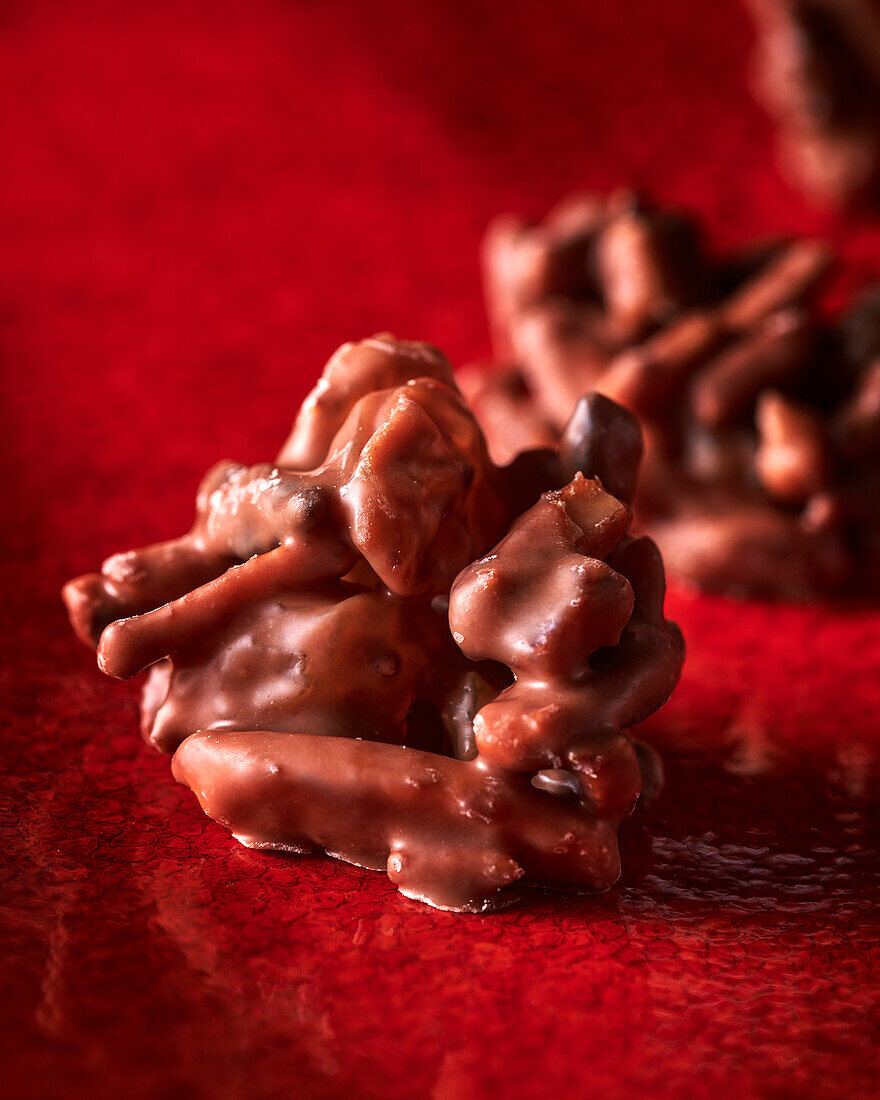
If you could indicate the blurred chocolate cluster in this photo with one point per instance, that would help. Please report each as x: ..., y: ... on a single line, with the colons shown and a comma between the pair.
x: 762, y: 417
x: 817, y: 70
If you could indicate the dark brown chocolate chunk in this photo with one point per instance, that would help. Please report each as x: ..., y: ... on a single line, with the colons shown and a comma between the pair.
x: 603, y: 440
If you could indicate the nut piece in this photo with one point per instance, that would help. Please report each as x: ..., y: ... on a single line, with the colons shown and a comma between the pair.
x: 792, y: 458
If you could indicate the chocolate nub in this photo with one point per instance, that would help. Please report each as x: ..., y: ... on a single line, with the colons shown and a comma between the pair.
x: 387, y: 646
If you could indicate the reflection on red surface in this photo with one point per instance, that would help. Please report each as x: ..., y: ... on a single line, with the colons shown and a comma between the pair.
x: 199, y: 203
x: 151, y: 953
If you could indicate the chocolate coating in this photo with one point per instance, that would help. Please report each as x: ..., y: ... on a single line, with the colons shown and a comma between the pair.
x: 378, y: 363
x: 406, y: 655
x: 277, y: 659
x: 453, y: 834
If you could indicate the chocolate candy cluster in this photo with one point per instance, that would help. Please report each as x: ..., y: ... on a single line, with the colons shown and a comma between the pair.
x: 817, y: 69
x: 762, y: 420
x: 387, y: 646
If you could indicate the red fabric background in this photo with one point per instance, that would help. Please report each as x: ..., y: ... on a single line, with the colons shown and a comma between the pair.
x: 199, y: 201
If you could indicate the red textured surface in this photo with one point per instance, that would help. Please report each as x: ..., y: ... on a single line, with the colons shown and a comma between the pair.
x: 199, y: 202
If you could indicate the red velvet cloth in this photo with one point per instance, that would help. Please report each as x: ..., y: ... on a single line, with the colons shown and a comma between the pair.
x: 199, y: 201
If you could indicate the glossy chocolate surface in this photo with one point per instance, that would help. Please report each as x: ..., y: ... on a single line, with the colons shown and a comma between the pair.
x: 387, y: 646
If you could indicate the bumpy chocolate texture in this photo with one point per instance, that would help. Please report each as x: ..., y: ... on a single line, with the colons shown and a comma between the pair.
x: 386, y: 646
x: 817, y: 70
x: 762, y: 421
